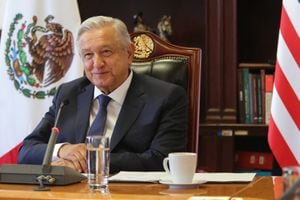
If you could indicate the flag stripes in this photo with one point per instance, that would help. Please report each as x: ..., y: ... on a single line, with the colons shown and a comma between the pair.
x: 290, y: 35
x: 276, y: 140
x: 284, y: 126
x: 291, y: 70
x: 287, y: 95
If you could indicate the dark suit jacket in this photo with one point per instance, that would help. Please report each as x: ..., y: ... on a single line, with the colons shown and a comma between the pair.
x: 152, y: 123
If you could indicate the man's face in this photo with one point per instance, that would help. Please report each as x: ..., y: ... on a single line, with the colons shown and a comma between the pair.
x: 106, y: 61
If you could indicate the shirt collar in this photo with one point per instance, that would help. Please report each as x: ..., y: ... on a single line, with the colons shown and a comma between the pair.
x: 119, y: 94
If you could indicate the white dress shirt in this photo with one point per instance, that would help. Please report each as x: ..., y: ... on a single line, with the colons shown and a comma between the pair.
x: 114, y: 106
x: 113, y: 109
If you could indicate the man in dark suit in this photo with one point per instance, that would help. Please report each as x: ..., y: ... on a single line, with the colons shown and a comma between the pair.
x: 146, y: 120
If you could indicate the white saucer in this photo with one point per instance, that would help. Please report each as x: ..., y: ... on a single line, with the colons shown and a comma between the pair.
x: 172, y: 185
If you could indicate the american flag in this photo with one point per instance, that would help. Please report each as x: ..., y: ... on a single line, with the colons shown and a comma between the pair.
x: 284, y: 126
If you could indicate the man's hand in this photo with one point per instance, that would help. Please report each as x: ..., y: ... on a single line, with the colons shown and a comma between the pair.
x: 74, y: 154
x: 63, y: 162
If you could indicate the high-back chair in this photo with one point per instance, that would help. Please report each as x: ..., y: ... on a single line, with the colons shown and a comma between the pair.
x: 180, y: 65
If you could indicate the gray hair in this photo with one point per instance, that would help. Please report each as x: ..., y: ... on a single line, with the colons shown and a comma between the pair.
x: 98, y: 22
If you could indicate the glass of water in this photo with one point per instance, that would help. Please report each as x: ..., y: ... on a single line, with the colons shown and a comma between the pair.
x: 98, y: 162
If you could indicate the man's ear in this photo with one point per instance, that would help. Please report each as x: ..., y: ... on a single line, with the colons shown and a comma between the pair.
x: 130, y: 51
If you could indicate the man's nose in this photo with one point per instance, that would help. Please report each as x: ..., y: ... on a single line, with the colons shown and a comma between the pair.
x: 98, y: 61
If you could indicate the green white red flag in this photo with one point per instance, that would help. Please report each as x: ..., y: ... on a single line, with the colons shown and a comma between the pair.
x: 37, y: 54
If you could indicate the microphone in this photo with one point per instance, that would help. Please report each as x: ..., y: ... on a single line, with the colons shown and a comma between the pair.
x: 45, y: 173
x: 53, y: 137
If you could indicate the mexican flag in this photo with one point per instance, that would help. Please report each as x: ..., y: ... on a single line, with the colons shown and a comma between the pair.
x: 37, y: 54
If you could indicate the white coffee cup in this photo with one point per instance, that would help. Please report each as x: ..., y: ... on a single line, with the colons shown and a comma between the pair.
x: 182, y: 167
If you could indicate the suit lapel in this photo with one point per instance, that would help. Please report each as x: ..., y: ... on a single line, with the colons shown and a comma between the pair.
x: 133, y: 104
x: 83, y: 107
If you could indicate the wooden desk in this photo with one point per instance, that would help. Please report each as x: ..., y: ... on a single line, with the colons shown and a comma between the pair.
x: 260, y: 188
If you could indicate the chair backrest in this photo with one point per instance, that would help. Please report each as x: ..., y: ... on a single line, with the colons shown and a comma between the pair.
x: 180, y: 65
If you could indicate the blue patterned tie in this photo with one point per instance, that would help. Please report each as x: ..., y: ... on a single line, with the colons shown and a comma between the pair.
x: 98, y: 125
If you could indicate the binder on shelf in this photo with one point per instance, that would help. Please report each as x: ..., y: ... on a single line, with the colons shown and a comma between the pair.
x: 254, y: 99
x: 241, y: 97
x: 254, y: 160
x: 259, y: 98
x: 262, y: 91
x: 247, y: 92
x: 269, y: 79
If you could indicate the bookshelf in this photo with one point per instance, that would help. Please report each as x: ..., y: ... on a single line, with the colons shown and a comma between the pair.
x: 257, y: 33
x: 224, y: 133
x: 255, y: 84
